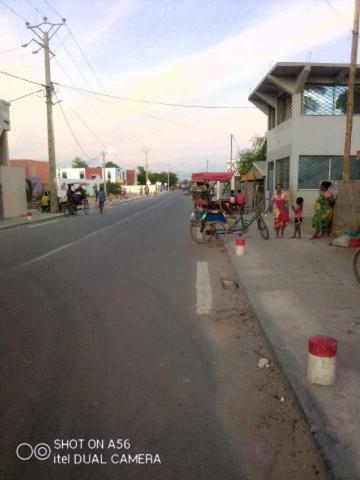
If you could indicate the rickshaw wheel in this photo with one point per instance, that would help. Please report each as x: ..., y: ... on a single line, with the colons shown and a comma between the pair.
x: 214, y: 234
x: 86, y: 206
x: 66, y: 210
x: 196, y: 231
x: 263, y: 229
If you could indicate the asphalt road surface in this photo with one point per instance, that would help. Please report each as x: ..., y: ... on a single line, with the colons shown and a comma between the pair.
x: 104, y: 338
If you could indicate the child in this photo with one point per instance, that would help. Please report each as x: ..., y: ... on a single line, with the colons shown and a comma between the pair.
x: 298, y: 216
x: 240, y: 200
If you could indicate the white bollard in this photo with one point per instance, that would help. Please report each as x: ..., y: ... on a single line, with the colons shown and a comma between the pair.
x: 321, y: 360
x: 29, y: 216
x: 240, y: 246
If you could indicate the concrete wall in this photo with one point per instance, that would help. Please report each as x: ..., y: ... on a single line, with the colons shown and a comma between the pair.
x: 12, y: 191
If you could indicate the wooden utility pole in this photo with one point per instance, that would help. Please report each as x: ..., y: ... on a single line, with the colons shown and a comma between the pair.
x: 146, y: 151
x: 350, y: 95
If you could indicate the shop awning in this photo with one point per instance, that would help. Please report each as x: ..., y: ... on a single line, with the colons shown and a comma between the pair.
x: 212, y: 177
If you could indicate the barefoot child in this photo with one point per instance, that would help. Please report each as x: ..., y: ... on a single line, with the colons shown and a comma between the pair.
x: 298, y: 216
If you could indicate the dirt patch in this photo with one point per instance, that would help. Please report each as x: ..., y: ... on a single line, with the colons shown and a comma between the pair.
x: 258, y: 410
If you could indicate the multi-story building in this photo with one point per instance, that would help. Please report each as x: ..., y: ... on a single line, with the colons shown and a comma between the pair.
x: 112, y: 174
x: 306, y: 105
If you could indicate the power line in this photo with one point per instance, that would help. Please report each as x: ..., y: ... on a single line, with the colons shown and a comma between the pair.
x: 90, y: 130
x: 71, y: 130
x: 337, y: 13
x: 13, y: 11
x: 53, y: 9
x: 23, y: 96
x: 35, y: 8
x: 85, y: 58
x: 137, y: 100
x: 10, y: 50
x: 21, y: 78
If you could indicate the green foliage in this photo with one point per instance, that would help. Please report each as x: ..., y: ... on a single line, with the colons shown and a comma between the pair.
x: 113, y: 188
x: 141, y: 176
x: 256, y: 153
x: 111, y: 165
x: 79, y: 163
x: 156, y: 177
x: 29, y: 190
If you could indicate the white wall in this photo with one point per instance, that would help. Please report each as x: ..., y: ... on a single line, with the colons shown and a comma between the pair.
x: 308, y: 135
x: 13, y: 191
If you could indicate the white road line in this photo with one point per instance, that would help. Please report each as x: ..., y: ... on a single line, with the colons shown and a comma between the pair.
x: 203, y: 289
x: 42, y: 224
x: 85, y: 237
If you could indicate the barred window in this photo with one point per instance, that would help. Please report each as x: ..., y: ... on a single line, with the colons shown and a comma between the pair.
x: 282, y: 172
x: 328, y: 100
x: 271, y: 118
x: 270, y: 177
x: 315, y: 169
x: 284, y: 108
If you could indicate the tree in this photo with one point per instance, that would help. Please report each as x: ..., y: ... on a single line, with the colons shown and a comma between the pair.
x: 79, y: 163
x: 256, y: 153
x: 113, y: 188
x: 111, y: 165
x: 141, y: 176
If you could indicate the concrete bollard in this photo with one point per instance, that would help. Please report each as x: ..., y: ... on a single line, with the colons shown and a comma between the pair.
x: 321, y: 360
x: 29, y: 216
x: 240, y: 246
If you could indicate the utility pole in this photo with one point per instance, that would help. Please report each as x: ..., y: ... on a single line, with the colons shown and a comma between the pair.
x: 350, y: 95
x: 168, y: 176
x: 207, y: 166
x: 103, y: 154
x: 45, y: 31
x: 231, y: 162
x: 146, y: 151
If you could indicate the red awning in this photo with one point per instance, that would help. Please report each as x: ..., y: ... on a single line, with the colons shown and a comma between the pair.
x: 212, y: 177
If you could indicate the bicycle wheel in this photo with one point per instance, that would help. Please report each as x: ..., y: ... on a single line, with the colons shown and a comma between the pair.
x: 263, y: 228
x: 356, y: 265
x: 66, y: 210
x: 196, y: 231
x: 214, y: 234
x: 86, y: 207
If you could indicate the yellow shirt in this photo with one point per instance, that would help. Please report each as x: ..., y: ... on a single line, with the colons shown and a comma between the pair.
x: 44, y: 201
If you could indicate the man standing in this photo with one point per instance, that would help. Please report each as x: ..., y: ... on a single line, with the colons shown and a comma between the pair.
x: 101, y: 198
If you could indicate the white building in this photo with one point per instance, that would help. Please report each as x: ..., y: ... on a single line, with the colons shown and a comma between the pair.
x: 89, y: 177
x: 305, y: 104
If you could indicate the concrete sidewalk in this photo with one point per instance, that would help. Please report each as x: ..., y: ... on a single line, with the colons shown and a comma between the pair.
x: 300, y: 288
x: 37, y: 217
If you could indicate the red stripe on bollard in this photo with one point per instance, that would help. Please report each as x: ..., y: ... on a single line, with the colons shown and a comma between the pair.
x: 322, y: 346
x: 239, y: 241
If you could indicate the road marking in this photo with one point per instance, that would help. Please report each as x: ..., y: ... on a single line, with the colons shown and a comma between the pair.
x: 42, y: 224
x: 85, y: 237
x: 203, y: 289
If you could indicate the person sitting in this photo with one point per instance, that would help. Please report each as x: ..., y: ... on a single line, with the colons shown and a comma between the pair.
x: 45, y: 202
x: 81, y: 191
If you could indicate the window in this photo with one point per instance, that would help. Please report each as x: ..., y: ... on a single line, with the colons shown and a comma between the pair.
x: 82, y: 175
x: 315, y: 169
x: 282, y: 171
x: 109, y: 176
x: 64, y: 175
x: 271, y: 118
x: 328, y: 100
x: 270, y: 177
x: 93, y: 176
x: 284, y: 108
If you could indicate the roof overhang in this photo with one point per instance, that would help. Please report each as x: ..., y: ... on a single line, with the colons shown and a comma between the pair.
x: 289, y: 77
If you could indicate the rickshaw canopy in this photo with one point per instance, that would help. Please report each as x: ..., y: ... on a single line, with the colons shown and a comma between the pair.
x: 212, y: 177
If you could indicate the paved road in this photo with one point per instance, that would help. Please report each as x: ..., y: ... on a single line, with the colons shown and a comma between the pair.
x: 117, y: 327
x: 100, y: 340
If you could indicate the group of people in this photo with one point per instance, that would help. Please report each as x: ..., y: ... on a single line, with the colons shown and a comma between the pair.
x: 322, y: 217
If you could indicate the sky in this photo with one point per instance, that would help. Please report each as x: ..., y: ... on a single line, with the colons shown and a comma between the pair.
x: 193, y: 52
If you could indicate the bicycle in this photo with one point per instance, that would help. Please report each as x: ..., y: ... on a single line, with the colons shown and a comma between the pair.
x: 212, y: 227
x: 356, y: 265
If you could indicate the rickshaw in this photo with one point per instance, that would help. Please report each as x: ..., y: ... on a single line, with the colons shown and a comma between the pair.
x: 212, y: 220
x: 71, y: 208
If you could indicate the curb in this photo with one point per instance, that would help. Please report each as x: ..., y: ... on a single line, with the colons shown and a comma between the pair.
x: 33, y: 222
x: 335, y: 455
